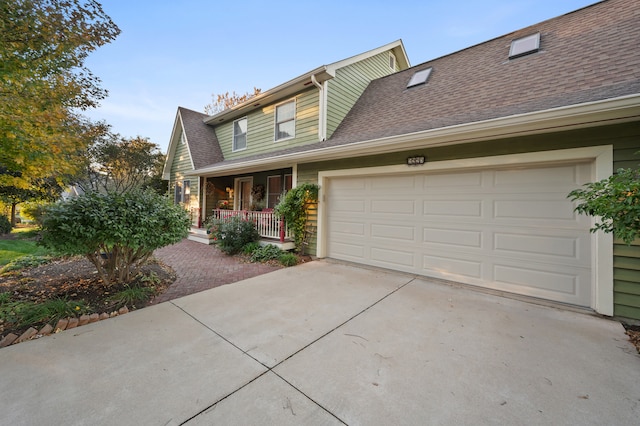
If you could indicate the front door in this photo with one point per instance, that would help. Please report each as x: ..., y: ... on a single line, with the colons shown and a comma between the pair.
x: 243, y: 191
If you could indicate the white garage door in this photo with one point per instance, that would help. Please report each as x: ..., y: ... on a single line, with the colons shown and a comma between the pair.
x: 506, y: 229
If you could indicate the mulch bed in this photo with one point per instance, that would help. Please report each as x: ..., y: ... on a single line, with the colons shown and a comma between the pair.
x: 74, y: 279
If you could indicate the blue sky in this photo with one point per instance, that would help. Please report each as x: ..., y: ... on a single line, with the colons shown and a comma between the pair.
x: 178, y: 53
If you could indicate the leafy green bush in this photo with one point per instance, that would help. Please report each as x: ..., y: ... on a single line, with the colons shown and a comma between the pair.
x: 616, y: 200
x: 232, y: 234
x: 28, y: 261
x: 266, y: 253
x: 34, y: 210
x: 250, y: 247
x: 288, y: 259
x: 294, y: 208
x: 5, y: 225
x: 116, y: 232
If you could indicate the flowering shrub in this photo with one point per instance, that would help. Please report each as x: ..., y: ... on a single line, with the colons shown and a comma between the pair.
x: 233, y: 233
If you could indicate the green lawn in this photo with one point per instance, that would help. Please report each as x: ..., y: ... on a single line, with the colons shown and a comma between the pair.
x: 15, y: 248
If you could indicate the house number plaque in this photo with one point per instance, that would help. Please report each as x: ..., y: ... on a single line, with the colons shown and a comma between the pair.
x: 416, y: 161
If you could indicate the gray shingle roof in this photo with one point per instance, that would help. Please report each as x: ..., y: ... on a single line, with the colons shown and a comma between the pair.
x: 587, y: 55
x: 203, y: 143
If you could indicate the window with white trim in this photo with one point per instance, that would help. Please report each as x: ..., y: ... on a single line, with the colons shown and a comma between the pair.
x: 182, y: 192
x: 392, y: 61
x: 240, y: 134
x: 275, y: 188
x: 286, y: 120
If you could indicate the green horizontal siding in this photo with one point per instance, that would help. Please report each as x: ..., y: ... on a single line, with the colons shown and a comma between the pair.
x: 344, y: 90
x: 261, y: 128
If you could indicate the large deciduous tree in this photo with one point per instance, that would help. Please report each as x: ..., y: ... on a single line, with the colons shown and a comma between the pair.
x: 116, y: 164
x: 44, y: 86
x: 224, y: 101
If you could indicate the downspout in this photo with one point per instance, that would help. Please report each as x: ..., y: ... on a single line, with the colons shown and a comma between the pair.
x: 322, y: 124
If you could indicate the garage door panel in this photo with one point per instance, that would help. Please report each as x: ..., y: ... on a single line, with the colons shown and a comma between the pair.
x: 452, y: 237
x: 351, y: 228
x: 445, y: 183
x: 540, y: 177
x: 448, y: 208
x: 349, y: 206
x: 395, y: 232
x: 345, y: 251
x: 396, y: 207
x: 528, y: 210
x: 393, y: 257
x: 510, y: 230
x: 451, y: 267
x: 546, y: 245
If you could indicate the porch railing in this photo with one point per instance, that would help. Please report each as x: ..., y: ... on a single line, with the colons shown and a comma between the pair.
x: 267, y: 223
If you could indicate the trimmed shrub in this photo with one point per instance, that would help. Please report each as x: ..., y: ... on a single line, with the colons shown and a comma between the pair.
x: 233, y: 234
x: 116, y: 232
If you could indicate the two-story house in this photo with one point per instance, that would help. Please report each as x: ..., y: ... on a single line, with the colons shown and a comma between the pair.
x: 457, y: 168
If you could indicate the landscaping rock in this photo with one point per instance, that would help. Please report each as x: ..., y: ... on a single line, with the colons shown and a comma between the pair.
x: 62, y: 324
x: 8, y: 339
x: 94, y: 317
x: 46, y: 330
x: 73, y: 323
x: 123, y: 310
x: 104, y: 316
x: 84, y: 319
x: 27, y: 335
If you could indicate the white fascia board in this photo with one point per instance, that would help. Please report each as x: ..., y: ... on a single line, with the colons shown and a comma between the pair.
x: 365, y: 55
x: 171, y: 150
x: 271, y: 95
x: 611, y: 111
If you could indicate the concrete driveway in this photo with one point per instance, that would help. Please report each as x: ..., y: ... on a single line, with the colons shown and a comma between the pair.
x: 328, y: 343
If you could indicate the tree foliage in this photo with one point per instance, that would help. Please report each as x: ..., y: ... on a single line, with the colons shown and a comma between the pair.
x: 225, y: 101
x: 116, y: 164
x: 116, y: 232
x: 616, y: 203
x: 44, y: 84
x: 294, y: 208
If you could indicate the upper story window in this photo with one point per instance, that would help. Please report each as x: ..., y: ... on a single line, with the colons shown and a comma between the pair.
x: 392, y: 61
x: 240, y: 134
x: 286, y: 120
x: 183, y: 139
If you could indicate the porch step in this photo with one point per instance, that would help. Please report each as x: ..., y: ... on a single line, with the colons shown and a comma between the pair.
x: 285, y: 246
x: 200, y: 235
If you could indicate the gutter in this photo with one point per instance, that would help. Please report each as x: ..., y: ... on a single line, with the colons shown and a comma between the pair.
x: 590, y: 114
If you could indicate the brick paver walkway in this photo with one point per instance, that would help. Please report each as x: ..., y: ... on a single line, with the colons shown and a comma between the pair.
x: 201, y: 267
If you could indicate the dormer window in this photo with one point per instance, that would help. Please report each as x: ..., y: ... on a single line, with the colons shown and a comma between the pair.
x: 419, y: 77
x: 524, y: 46
x: 183, y: 139
x: 392, y: 61
x: 286, y: 120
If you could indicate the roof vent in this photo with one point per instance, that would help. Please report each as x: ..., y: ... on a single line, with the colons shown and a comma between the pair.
x: 419, y: 77
x: 524, y: 46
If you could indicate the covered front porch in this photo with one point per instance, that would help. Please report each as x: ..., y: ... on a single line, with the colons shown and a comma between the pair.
x: 249, y: 196
x: 272, y: 229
